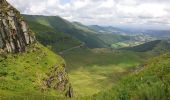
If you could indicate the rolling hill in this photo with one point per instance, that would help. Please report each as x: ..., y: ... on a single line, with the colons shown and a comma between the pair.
x: 158, y: 34
x: 100, y: 65
x: 57, y: 41
x: 151, y: 82
x: 31, y: 71
x: 90, y: 62
x: 77, y: 33
x: 153, y: 46
x: 67, y: 28
x: 107, y: 29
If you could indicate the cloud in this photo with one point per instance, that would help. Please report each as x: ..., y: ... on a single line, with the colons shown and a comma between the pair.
x: 102, y: 12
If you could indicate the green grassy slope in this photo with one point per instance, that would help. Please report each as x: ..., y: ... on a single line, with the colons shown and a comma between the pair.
x: 144, y: 47
x: 22, y: 75
x: 75, y: 31
x: 150, y: 83
x: 58, y: 41
x: 153, y: 46
x: 66, y: 27
x: 92, y: 71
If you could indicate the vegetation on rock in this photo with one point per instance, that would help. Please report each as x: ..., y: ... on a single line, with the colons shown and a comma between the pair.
x: 28, y: 70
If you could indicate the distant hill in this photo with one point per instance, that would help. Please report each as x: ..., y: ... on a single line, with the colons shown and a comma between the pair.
x: 75, y: 33
x: 107, y: 29
x: 156, y: 46
x: 118, y: 38
x: 159, y: 34
x: 65, y: 27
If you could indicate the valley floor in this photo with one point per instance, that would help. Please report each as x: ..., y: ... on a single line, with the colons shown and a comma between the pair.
x: 95, y: 70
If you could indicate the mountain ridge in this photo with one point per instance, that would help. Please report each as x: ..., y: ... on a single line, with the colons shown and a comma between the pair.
x: 91, y: 37
x: 66, y: 27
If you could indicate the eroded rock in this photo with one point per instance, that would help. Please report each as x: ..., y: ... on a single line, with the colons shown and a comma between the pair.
x: 15, y: 34
x: 58, y: 80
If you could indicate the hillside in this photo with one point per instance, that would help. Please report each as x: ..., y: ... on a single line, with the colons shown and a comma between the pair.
x: 118, y: 38
x: 149, y: 83
x: 117, y: 41
x: 159, y: 34
x: 69, y: 34
x: 96, y: 70
x: 107, y: 29
x: 65, y: 27
x: 28, y: 70
x: 26, y: 75
x: 57, y: 41
x: 156, y: 46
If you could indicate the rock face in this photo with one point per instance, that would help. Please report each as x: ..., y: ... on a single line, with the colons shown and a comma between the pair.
x: 15, y: 36
x: 14, y: 32
x: 58, y: 80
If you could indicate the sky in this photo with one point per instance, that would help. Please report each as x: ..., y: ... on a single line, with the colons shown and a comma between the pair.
x: 136, y: 13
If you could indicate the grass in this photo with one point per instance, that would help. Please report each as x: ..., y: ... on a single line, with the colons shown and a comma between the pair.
x: 94, y: 70
x: 22, y: 75
x: 151, y: 83
x: 58, y: 32
x: 48, y: 36
x: 144, y: 47
x: 66, y: 28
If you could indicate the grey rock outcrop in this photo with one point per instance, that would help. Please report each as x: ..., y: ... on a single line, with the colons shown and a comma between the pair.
x: 15, y: 34
x: 58, y: 80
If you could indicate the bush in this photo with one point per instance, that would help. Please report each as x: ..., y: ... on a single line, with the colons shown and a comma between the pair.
x: 3, y: 73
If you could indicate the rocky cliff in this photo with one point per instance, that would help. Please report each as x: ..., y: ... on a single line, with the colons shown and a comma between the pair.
x: 14, y: 32
x: 46, y: 69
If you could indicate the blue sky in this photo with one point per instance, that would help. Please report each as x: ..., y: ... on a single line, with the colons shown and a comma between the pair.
x: 102, y: 12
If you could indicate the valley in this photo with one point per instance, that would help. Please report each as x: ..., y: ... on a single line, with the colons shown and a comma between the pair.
x: 99, y: 69
x: 48, y: 57
x: 73, y: 33
x: 96, y: 70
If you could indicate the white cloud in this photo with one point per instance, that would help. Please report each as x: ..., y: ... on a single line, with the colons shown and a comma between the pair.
x: 103, y: 12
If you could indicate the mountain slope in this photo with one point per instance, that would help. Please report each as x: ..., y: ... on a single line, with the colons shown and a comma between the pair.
x: 26, y: 75
x: 92, y: 36
x: 153, y: 46
x: 27, y: 69
x: 149, y: 82
x: 57, y: 41
x: 63, y: 26
x: 107, y: 29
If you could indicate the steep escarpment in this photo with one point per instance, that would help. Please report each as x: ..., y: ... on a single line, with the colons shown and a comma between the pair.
x: 28, y: 70
x: 14, y: 32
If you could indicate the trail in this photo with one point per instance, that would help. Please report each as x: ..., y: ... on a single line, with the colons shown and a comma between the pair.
x: 67, y: 50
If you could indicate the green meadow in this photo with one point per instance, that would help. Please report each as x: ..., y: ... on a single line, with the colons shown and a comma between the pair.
x: 149, y: 83
x: 95, y: 70
x: 21, y: 75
